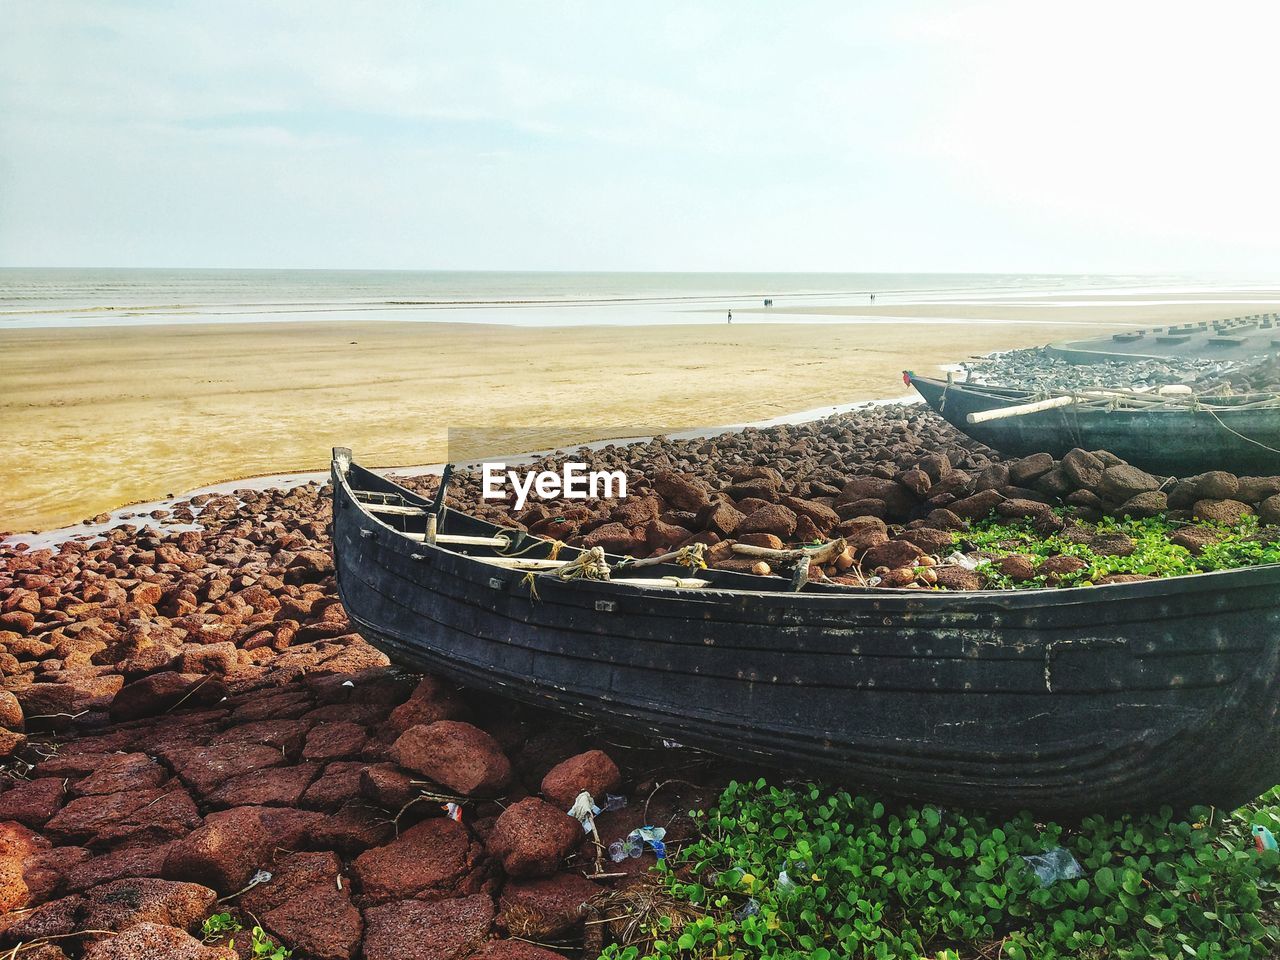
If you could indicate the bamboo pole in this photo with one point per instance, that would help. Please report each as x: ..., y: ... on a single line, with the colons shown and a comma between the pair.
x: 1021, y: 409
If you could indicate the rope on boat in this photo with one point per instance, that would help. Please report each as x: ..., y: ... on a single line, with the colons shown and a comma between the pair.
x: 531, y: 582
x: 588, y: 565
x: 1209, y: 410
x: 692, y: 556
x: 552, y: 554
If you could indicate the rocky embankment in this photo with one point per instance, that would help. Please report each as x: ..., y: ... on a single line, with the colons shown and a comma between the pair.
x: 895, y: 482
x: 183, y: 709
x: 180, y: 711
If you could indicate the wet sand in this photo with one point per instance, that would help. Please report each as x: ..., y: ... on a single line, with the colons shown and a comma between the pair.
x: 96, y: 418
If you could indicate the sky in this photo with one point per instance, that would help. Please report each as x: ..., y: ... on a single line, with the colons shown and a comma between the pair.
x: 865, y: 136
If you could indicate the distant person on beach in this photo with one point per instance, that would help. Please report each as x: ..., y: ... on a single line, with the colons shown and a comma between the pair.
x: 873, y: 298
x: 731, y: 316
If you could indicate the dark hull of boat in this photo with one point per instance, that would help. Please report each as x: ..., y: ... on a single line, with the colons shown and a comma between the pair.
x: 1170, y: 442
x: 1063, y: 702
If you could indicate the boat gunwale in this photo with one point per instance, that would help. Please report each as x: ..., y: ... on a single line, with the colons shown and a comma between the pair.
x: 1242, y: 402
x: 894, y: 600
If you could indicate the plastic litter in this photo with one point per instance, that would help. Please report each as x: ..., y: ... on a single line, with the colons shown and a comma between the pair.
x: 653, y: 836
x: 785, y: 883
x: 1054, y: 865
x: 672, y: 744
x: 584, y: 810
x: 960, y: 560
x: 453, y: 812
x: 1263, y: 838
x: 619, y: 852
x: 748, y: 909
x: 614, y: 801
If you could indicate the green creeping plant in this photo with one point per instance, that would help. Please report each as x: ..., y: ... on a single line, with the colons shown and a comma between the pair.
x: 807, y: 871
x: 1243, y: 545
x: 219, y: 923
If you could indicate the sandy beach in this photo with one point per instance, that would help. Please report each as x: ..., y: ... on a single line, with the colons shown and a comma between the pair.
x: 97, y: 418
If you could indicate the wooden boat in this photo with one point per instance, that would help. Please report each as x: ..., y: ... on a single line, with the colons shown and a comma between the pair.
x: 1060, y: 701
x: 1169, y: 434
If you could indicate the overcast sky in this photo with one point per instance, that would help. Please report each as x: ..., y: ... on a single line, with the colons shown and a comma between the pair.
x: 1002, y: 136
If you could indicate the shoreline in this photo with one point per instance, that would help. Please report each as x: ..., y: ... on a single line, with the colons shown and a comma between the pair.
x: 128, y: 414
x: 137, y: 512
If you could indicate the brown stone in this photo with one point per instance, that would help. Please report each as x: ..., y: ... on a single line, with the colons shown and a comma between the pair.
x: 32, y: 803
x: 1269, y: 509
x: 681, y: 491
x: 1124, y: 482
x: 10, y: 711
x: 1195, y: 539
x: 232, y: 844
x: 1082, y: 468
x: 82, y: 819
x: 1016, y: 567
x: 895, y: 553
x: 307, y: 905
x: 616, y: 538
x: 414, y: 930
x: 204, y: 769
x: 593, y: 771
x: 457, y: 755
x: 1112, y: 545
x: 1257, y: 489
x: 435, y: 855
x: 1230, y: 512
x: 930, y: 540
x: 977, y: 506
x: 1149, y: 504
x: 771, y: 518
x: 545, y: 908
x: 823, y: 516
x: 722, y: 517
x: 1021, y: 509
x: 387, y: 785
x: 274, y: 786
x: 161, y: 692
x: 1061, y: 566
x: 336, y: 740
x: 152, y: 941
x: 958, y: 578
x: 18, y: 845
x: 122, y: 771
x: 126, y: 903
x: 1029, y: 469
x: 532, y: 838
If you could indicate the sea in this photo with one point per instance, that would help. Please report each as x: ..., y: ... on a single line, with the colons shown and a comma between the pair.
x: 76, y: 297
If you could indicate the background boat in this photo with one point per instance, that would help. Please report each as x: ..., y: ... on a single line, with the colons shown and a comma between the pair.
x: 1171, y: 435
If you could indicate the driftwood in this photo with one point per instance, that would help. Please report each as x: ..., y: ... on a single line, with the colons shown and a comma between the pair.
x: 823, y: 554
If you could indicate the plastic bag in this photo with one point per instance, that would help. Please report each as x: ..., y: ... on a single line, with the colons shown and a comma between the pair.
x: 584, y: 810
x: 1054, y: 865
x: 748, y: 909
x: 614, y: 801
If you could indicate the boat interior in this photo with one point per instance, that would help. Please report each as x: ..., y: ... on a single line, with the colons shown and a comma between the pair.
x: 418, y: 519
